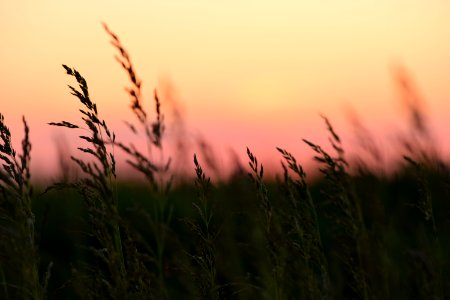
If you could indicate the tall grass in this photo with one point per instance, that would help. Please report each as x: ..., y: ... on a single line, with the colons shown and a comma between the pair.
x: 19, y: 262
x: 206, y: 231
x: 354, y: 233
x: 303, y: 233
x: 97, y: 189
x: 154, y: 169
x: 346, y: 215
x: 272, y: 232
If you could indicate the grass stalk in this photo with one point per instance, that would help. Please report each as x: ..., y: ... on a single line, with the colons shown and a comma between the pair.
x: 154, y: 172
x: 345, y: 213
x: 97, y: 189
x: 303, y: 232
x: 269, y: 223
x: 18, y: 250
x: 206, y: 233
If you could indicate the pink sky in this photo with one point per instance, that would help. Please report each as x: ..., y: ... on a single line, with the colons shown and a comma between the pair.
x: 245, y: 73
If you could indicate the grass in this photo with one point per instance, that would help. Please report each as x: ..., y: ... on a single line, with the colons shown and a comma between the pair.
x: 353, y: 233
x: 97, y: 190
x: 19, y: 258
x: 204, y: 258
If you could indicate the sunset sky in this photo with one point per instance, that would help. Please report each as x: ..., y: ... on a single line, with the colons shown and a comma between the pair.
x: 242, y: 73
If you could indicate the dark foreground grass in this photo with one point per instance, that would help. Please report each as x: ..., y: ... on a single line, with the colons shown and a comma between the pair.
x: 400, y: 257
x: 354, y: 233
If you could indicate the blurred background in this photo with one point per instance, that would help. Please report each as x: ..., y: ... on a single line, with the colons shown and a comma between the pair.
x: 230, y: 75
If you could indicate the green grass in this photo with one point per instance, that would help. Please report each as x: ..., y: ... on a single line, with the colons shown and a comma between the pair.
x: 352, y: 233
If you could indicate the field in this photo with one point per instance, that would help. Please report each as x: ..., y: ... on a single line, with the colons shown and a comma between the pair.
x: 354, y: 232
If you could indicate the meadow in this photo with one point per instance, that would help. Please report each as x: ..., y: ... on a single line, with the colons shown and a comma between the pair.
x: 354, y: 232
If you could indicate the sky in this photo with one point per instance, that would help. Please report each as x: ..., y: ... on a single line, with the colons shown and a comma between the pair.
x: 239, y: 73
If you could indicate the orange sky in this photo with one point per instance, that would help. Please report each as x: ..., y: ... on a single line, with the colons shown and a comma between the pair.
x: 253, y: 73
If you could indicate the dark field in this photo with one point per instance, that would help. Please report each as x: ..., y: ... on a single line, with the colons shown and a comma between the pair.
x: 400, y: 253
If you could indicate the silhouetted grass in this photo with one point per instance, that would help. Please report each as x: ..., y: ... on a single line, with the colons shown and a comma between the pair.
x: 19, y: 260
x: 354, y: 233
